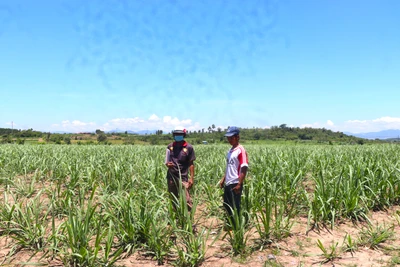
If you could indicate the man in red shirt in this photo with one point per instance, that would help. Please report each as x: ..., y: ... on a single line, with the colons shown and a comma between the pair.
x: 235, y: 173
x: 179, y: 159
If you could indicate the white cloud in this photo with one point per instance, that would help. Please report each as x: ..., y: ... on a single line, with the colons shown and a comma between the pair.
x: 171, y: 121
x: 154, y: 117
x: 388, y: 120
x: 328, y: 125
x: 375, y: 125
x: 122, y: 122
x: 167, y: 123
x: 362, y: 126
x: 74, y: 126
x: 311, y: 125
x: 11, y: 124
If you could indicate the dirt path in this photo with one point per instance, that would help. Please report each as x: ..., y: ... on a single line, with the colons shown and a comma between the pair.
x: 300, y: 249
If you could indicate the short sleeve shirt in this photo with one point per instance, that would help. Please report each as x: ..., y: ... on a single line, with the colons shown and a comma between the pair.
x: 236, y: 158
x: 182, y: 156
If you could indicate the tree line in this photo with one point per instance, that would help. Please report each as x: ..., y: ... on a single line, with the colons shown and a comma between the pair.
x: 205, y: 135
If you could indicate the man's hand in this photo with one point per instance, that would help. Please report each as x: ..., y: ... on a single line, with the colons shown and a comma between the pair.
x: 221, y: 183
x: 237, y: 188
x: 190, y: 183
x: 170, y: 164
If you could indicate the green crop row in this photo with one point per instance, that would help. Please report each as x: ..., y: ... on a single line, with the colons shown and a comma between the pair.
x: 95, y: 205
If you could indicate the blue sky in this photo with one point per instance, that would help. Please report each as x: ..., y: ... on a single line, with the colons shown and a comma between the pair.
x: 145, y: 65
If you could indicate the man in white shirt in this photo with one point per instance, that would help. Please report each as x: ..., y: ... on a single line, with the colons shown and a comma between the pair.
x: 235, y: 173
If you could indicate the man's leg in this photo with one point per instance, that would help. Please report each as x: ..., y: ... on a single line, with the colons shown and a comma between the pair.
x: 189, y: 203
x: 237, y: 197
x: 232, y: 202
x: 173, y: 189
x: 228, y: 203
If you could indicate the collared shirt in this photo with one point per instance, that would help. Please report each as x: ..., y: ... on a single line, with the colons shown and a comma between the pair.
x: 182, y: 155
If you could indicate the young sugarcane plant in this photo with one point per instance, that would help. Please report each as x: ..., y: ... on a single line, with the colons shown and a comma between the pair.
x: 329, y: 254
x: 78, y: 230
x: 28, y: 225
x: 349, y: 244
x: 237, y: 232
x: 109, y: 257
x: 6, y: 214
x: 191, y: 244
x: 262, y: 215
x: 374, y: 237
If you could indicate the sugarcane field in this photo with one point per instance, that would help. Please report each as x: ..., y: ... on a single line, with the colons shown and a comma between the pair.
x: 302, y: 205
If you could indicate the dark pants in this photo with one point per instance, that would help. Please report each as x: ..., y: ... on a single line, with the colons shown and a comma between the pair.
x: 232, y: 202
x: 173, y: 188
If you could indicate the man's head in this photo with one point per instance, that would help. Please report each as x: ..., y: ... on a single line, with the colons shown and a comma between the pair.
x: 233, y: 135
x: 232, y: 131
x: 179, y: 135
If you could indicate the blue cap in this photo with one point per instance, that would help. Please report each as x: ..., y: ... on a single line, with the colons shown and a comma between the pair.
x: 233, y: 130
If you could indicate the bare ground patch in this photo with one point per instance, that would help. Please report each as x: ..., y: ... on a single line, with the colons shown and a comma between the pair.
x: 299, y: 249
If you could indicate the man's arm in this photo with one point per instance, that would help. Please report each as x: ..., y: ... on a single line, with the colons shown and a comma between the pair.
x: 191, y: 169
x: 168, y: 161
x: 242, y: 176
x: 221, y: 183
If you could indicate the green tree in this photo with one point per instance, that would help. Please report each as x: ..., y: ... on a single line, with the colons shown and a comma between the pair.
x: 154, y: 140
x: 20, y: 141
x: 360, y: 141
x: 67, y: 140
x: 56, y: 138
x: 6, y: 139
x: 282, y: 126
x: 101, y: 138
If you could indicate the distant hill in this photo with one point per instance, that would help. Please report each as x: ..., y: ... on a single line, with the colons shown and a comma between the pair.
x: 386, y: 134
x: 60, y: 132
x: 142, y: 132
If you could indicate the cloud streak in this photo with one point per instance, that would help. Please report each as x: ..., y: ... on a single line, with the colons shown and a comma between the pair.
x: 166, y: 123
x: 169, y: 123
x: 375, y: 125
x: 359, y: 126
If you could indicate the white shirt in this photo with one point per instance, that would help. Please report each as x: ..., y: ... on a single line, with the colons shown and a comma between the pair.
x: 235, y: 160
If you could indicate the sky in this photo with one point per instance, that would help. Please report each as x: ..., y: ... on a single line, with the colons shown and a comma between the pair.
x: 76, y: 66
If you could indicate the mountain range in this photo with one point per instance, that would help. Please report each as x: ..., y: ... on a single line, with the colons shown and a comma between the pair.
x: 386, y: 134
x: 142, y: 132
